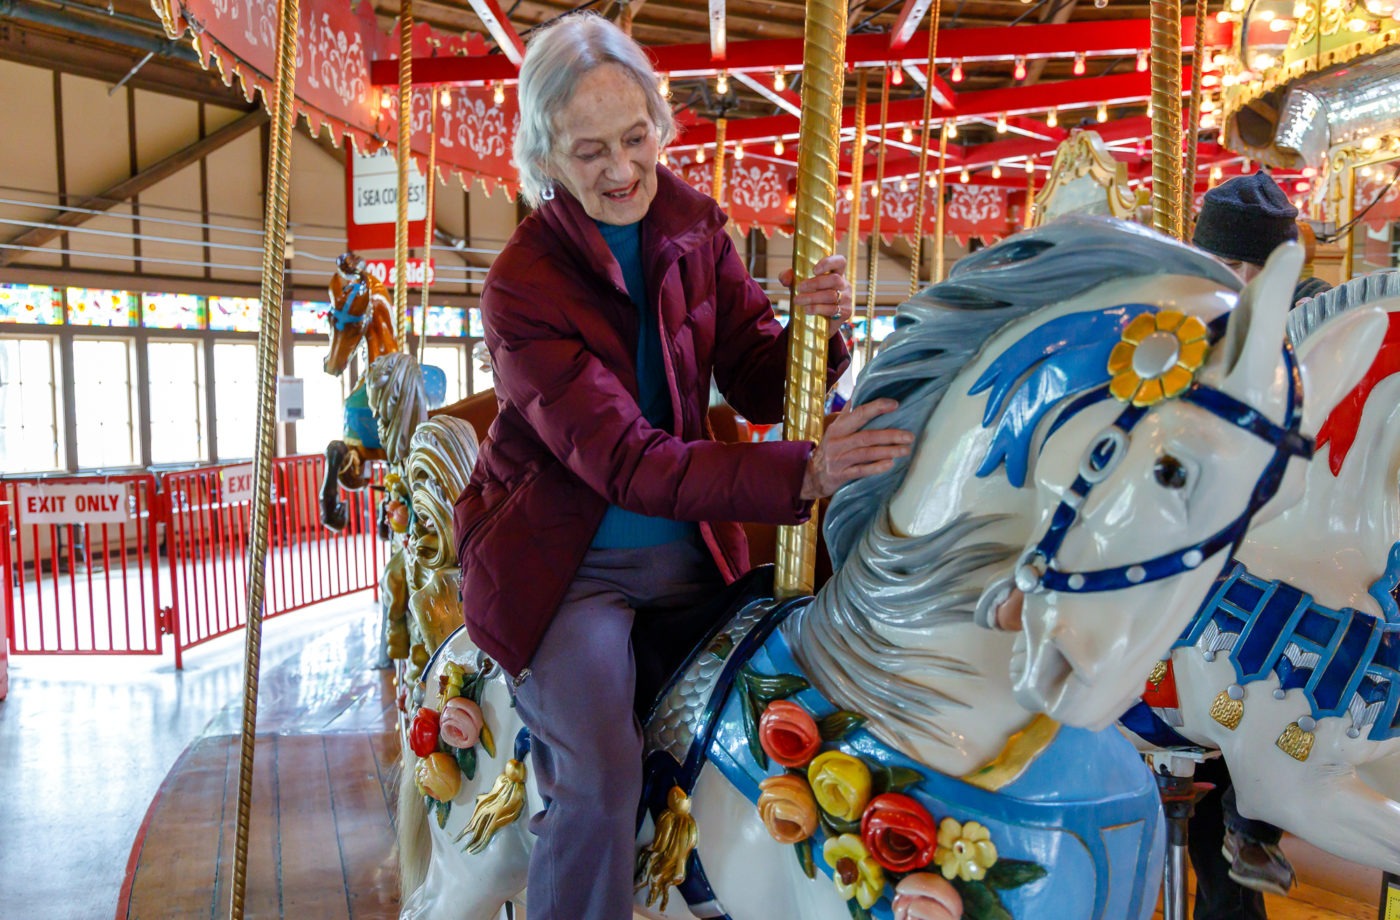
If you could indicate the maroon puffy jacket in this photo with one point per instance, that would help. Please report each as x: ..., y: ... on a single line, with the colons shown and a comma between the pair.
x: 570, y: 438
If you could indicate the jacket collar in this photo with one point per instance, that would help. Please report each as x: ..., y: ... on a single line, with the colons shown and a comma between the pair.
x: 679, y: 217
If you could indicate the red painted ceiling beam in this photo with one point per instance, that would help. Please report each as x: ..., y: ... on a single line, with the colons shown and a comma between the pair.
x: 910, y: 15
x: 1083, y: 92
x: 872, y: 49
x: 489, y: 12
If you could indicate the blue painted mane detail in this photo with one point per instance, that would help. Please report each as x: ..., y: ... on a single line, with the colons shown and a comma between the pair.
x: 1056, y: 360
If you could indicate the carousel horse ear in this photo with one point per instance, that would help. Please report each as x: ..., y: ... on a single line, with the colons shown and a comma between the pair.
x: 1334, y: 358
x: 1247, y: 358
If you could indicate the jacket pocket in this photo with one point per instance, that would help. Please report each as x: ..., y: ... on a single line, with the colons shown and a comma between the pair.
x: 480, y: 525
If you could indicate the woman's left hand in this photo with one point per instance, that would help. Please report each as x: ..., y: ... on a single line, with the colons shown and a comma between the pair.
x: 826, y: 293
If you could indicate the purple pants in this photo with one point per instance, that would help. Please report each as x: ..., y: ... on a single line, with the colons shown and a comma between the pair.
x: 586, y: 747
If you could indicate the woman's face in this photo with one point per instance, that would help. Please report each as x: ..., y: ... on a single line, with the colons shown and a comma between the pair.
x: 606, y: 148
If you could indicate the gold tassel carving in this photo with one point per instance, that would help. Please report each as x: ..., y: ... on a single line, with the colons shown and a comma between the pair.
x: 497, y: 808
x: 1226, y: 710
x: 661, y: 865
x: 1295, y: 742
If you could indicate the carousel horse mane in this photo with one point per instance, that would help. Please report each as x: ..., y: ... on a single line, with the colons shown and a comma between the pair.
x: 1307, y: 317
x: 922, y: 582
x: 398, y: 398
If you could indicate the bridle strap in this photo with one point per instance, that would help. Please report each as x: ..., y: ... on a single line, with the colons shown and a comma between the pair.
x: 1037, y: 571
x: 341, y: 316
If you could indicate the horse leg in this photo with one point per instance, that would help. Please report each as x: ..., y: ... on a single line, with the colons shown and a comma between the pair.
x: 1336, y: 810
x: 333, y: 511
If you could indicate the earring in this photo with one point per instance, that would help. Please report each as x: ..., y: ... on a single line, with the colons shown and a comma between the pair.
x: 548, y: 193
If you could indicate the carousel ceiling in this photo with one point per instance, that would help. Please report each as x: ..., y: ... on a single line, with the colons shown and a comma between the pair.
x: 1012, y: 77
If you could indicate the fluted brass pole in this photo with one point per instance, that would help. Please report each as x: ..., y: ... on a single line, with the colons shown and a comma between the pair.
x: 819, y: 146
x: 857, y: 177
x: 717, y: 185
x: 1029, y: 221
x: 917, y: 257
x: 942, y: 203
x: 1193, y: 130
x: 877, y: 197
x: 269, y: 336
x: 428, y: 233
x: 1166, y: 116
x: 405, y: 162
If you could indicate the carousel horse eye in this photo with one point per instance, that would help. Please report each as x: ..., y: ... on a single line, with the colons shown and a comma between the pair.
x: 1169, y: 472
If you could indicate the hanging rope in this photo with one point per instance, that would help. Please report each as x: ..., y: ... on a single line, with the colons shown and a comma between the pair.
x: 942, y: 202
x: 819, y: 159
x: 1193, y: 129
x: 922, y: 190
x: 1166, y: 116
x: 432, y: 222
x: 717, y: 184
x: 857, y: 176
x: 269, y: 336
x: 405, y: 159
x: 877, y: 197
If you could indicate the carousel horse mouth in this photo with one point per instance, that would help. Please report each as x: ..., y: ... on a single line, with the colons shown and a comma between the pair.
x: 1043, y: 681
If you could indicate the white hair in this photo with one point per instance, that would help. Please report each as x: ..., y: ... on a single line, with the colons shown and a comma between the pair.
x: 556, y: 60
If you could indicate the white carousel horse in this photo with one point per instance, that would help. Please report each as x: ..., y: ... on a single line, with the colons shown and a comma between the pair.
x: 1104, y: 510
x: 1292, y: 668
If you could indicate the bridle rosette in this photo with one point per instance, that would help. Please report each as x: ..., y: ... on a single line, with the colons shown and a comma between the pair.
x: 1157, y: 357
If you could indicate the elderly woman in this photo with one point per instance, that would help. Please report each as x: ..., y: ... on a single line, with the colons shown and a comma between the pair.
x: 598, y: 491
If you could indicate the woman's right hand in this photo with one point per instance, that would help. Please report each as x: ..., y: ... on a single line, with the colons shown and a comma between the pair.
x: 850, y: 451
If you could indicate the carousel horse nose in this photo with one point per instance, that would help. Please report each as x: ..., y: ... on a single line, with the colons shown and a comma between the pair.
x: 1030, y: 572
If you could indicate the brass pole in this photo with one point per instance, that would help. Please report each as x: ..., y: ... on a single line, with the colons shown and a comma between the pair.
x: 1029, y: 222
x: 877, y: 195
x: 819, y: 158
x: 917, y: 258
x: 1193, y: 129
x: 942, y: 199
x: 857, y: 177
x: 717, y: 184
x: 269, y: 337
x: 432, y: 223
x: 1348, y: 213
x: 405, y: 161
x: 1166, y: 116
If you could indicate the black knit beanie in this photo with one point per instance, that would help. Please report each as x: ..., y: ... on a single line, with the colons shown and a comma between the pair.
x: 1245, y: 219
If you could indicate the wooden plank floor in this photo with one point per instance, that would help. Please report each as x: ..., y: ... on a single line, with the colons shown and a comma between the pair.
x: 320, y: 832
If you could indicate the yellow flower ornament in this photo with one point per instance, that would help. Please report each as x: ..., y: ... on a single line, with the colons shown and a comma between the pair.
x: 964, y: 850
x: 855, y: 873
x: 1158, y: 357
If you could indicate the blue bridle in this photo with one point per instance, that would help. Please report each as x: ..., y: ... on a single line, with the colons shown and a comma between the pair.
x: 341, y: 316
x: 1037, y: 572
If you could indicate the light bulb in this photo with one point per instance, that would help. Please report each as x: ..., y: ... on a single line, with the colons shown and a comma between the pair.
x: 498, y: 92
x: 952, y: 129
x: 385, y: 100
x: 1215, y: 173
x: 779, y: 80
x: 700, y: 156
x: 1020, y: 69
x: 964, y: 175
x: 1079, y: 64
x: 778, y: 147
x: 897, y: 76
x: 1300, y: 9
x: 445, y: 97
x: 1001, y: 123
x: 850, y: 194
x: 1030, y: 166
x: 722, y: 83
x: 957, y: 70
x: 1052, y: 118
x: 1142, y: 60
x: 1358, y: 25
x: 1150, y: 110
x: 904, y: 185
x: 1100, y: 4
x: 664, y: 84
x: 1207, y: 121
x: 996, y: 170
x: 1309, y: 171
x: 875, y: 190
x: 1103, y: 112
x: 1280, y: 25
x: 738, y: 151
x: 907, y: 134
x: 1303, y: 186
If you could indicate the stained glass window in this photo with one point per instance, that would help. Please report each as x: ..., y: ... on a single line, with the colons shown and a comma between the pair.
x: 172, y: 311
x: 95, y: 307
x: 445, y: 321
x: 308, y: 317
x: 233, y: 314
x: 30, y: 303
x: 474, y: 327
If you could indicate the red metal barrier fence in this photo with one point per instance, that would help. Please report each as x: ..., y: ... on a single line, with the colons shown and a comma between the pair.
x: 86, y: 565
x: 7, y: 572
x: 82, y: 556
x: 208, y: 544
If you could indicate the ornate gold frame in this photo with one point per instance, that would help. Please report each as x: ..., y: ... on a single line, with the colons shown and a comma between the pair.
x: 1084, y: 155
x: 1342, y: 164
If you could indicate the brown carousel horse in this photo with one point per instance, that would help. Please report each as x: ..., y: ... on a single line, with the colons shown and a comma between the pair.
x: 388, y: 403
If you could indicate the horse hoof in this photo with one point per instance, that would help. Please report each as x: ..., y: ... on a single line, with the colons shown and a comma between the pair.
x: 333, y: 517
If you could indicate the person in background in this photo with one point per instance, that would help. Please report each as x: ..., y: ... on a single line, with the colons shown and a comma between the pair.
x: 598, y: 491
x: 1241, y: 222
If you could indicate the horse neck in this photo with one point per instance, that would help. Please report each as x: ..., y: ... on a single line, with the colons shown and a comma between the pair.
x: 1335, y: 542
x: 379, y: 331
